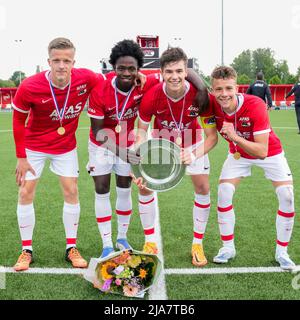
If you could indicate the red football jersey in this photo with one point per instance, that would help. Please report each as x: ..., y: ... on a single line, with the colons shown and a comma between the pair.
x: 168, y: 111
x: 102, y: 105
x: 250, y: 119
x: 34, y: 97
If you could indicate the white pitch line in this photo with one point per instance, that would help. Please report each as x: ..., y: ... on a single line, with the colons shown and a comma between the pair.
x: 289, y: 128
x: 210, y: 271
x: 187, y: 271
x: 158, y: 291
x: 59, y: 271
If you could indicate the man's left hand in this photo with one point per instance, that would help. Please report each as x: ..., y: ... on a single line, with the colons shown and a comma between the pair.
x: 140, y: 80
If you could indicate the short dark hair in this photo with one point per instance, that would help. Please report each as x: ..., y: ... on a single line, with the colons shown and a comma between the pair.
x: 260, y: 76
x: 224, y: 72
x: 60, y: 43
x: 172, y: 55
x: 126, y: 48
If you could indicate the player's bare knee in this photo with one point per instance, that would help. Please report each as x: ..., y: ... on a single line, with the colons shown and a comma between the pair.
x: 202, y: 189
x: 71, y: 193
x: 102, y: 189
x: 225, y: 193
x: 26, y: 195
x: 285, y: 195
x: 145, y: 192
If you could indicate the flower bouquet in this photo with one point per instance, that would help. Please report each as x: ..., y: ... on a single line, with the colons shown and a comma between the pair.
x: 130, y: 273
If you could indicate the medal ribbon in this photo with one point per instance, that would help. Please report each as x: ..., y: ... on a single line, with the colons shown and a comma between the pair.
x: 61, y: 113
x: 178, y: 127
x: 124, y: 104
x: 235, y: 121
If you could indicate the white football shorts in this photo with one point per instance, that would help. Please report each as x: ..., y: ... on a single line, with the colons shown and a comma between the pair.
x: 276, y: 167
x: 65, y: 164
x: 200, y: 165
x: 102, y: 161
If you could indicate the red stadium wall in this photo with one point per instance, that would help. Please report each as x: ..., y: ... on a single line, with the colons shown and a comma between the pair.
x: 278, y: 91
x: 6, y: 97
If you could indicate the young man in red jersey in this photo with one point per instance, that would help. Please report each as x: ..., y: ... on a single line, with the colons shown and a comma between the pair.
x: 176, y: 119
x: 113, y: 111
x: 244, y: 122
x: 51, y: 101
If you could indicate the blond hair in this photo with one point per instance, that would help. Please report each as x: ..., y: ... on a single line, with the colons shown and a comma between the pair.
x: 60, y: 43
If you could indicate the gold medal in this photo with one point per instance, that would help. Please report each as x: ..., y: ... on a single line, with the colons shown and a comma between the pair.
x: 178, y: 141
x: 118, y: 128
x: 236, y: 155
x: 61, y: 131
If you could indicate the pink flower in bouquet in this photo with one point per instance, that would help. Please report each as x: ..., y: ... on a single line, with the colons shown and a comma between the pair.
x: 106, y: 285
x: 130, y: 291
x: 118, y: 282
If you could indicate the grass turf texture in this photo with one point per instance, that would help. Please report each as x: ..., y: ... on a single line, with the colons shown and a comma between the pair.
x: 255, y: 206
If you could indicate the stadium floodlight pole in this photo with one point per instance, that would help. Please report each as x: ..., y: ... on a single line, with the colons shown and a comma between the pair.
x: 19, y: 54
x: 222, y: 14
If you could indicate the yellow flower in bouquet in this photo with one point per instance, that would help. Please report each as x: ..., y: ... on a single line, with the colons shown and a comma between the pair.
x: 106, y: 270
x: 129, y: 273
x: 134, y: 261
x: 143, y: 273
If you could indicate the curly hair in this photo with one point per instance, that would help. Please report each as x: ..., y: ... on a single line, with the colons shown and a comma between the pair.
x: 126, y: 48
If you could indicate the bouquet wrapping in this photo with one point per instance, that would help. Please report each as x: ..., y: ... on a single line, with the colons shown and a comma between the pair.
x: 129, y: 272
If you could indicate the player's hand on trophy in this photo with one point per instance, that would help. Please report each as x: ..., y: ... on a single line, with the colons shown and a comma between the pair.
x: 138, y: 181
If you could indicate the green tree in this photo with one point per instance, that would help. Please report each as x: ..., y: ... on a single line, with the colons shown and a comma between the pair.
x: 292, y: 79
x: 282, y: 70
x: 243, y: 79
x: 263, y: 60
x: 243, y: 64
x: 206, y: 79
x: 275, y: 80
x: 16, y: 77
x: 7, y: 84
